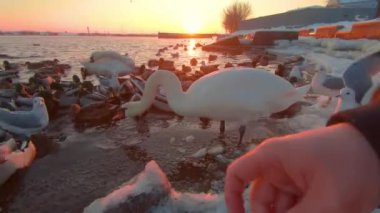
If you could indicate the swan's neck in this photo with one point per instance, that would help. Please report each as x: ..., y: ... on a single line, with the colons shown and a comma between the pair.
x: 170, y: 84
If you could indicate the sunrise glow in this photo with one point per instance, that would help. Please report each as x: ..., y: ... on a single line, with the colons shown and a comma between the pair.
x: 192, y: 25
x: 124, y: 16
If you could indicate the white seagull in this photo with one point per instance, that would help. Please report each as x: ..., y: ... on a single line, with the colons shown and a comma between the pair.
x: 25, y: 123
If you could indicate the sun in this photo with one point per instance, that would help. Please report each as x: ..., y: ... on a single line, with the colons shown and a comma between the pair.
x: 192, y: 25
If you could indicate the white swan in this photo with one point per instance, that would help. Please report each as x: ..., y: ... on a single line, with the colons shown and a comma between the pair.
x: 95, y: 56
x: 108, y: 63
x: 233, y: 94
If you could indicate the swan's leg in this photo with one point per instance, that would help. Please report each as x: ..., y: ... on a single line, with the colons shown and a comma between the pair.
x: 222, y: 127
x: 241, y: 131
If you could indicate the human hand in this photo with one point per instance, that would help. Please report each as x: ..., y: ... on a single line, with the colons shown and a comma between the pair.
x: 22, y: 159
x: 5, y: 150
x: 332, y: 169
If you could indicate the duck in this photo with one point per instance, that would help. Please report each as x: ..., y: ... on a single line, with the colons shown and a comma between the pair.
x: 264, y: 61
x: 228, y: 65
x: 10, y: 66
x: 245, y: 64
x: 34, y: 65
x: 50, y: 63
x: 280, y: 70
x: 193, y: 62
x: 232, y: 94
x: 212, y: 57
x: 96, y: 114
x: 186, y: 68
x: 175, y: 55
x: 208, y: 68
x: 153, y: 63
x: 166, y: 65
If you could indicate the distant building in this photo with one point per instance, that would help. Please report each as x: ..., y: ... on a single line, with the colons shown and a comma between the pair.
x: 313, y: 15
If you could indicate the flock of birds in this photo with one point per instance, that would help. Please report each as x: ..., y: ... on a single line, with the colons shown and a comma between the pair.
x: 239, y: 94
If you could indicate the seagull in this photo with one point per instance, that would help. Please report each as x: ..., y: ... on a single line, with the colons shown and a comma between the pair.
x: 346, y: 100
x: 359, y: 75
x: 325, y: 84
x: 25, y: 123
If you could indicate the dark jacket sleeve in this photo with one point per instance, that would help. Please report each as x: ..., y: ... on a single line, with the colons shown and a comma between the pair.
x: 366, y: 119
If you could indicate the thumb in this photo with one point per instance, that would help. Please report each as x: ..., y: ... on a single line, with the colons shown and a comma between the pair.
x: 241, y: 172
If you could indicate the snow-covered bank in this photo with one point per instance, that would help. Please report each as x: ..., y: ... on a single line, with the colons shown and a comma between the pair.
x: 150, y: 191
x: 329, y: 55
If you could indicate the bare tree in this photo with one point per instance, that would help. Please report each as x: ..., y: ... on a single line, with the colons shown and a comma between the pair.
x: 234, y: 14
x: 332, y: 3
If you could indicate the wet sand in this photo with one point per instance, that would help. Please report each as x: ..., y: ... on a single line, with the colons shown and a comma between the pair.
x: 90, y: 164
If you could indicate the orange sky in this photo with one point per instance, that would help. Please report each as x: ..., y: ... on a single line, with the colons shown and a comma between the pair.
x: 122, y: 16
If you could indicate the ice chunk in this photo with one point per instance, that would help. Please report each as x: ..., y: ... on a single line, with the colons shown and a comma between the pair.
x: 189, y: 138
x: 200, y: 153
x: 216, y: 150
x: 140, y: 194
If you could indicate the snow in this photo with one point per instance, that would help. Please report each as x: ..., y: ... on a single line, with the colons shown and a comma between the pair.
x: 333, y: 56
x: 151, y: 191
x: 216, y: 150
x: 152, y: 181
x: 200, y: 153
x: 189, y: 138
